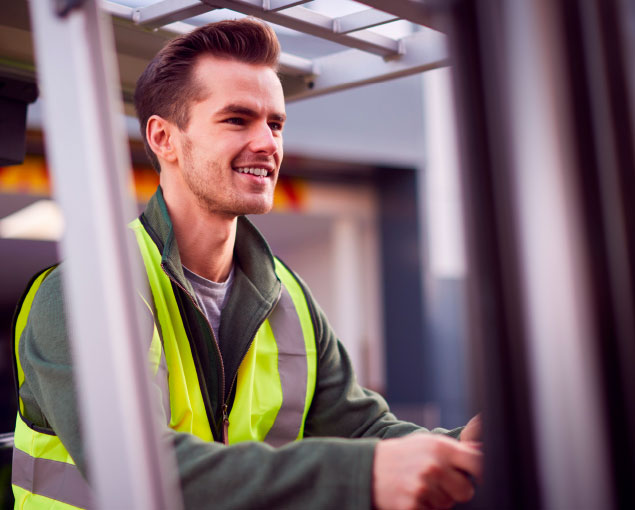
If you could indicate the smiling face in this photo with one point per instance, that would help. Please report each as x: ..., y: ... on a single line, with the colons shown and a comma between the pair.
x: 231, y: 150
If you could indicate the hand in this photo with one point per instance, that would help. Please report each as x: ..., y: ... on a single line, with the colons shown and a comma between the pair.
x: 473, y: 431
x: 424, y: 471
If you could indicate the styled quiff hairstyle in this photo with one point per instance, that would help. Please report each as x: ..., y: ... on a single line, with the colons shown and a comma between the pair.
x: 167, y: 87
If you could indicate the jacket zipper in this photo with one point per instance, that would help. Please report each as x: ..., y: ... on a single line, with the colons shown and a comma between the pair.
x: 225, y: 425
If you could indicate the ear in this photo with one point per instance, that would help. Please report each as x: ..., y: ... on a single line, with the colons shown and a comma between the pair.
x: 160, y: 135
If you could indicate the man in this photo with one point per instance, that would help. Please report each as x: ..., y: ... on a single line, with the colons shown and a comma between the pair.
x: 242, y: 353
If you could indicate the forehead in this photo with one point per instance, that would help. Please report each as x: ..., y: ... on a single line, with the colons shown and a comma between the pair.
x: 227, y: 81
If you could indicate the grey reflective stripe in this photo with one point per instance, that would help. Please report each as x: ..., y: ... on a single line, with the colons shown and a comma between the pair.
x: 163, y: 382
x: 56, y: 480
x: 161, y: 376
x: 292, y: 367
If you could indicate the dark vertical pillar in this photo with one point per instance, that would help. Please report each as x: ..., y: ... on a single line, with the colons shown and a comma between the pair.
x: 598, y: 42
x: 589, y: 39
x: 493, y: 289
x: 15, y: 95
x: 446, y: 350
x: 406, y: 381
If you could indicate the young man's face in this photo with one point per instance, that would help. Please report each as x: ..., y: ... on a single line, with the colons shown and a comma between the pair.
x: 231, y: 149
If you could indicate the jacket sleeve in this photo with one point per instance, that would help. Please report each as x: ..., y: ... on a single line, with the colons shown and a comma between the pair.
x: 310, y: 474
x: 341, y: 407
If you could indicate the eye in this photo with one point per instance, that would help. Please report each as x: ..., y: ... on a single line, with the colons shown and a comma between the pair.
x: 275, y: 126
x: 236, y: 121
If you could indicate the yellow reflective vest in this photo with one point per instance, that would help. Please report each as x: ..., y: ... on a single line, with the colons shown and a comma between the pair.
x: 274, y: 385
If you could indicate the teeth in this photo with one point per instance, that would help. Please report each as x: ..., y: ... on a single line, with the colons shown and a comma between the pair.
x: 261, y: 172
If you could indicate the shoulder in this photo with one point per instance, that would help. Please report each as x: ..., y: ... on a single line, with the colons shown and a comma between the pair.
x: 45, y: 333
x: 49, y: 297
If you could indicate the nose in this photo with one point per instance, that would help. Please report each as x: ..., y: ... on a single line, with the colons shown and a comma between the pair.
x: 263, y: 140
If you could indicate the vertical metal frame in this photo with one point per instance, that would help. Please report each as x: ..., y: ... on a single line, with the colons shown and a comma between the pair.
x: 557, y: 267
x: 127, y: 465
x: 547, y: 160
x: 598, y: 57
x: 502, y: 387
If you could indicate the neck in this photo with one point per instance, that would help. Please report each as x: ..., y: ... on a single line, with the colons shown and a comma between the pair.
x: 205, y: 240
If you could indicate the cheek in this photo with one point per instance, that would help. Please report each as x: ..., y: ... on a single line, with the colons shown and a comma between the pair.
x: 216, y: 143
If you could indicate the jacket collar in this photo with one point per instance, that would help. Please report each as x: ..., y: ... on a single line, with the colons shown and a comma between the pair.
x: 252, y: 254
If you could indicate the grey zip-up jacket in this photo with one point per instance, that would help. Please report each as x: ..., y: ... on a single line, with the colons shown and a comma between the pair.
x: 330, y: 468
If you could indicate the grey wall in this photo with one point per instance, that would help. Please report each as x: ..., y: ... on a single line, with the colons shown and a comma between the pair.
x: 380, y: 124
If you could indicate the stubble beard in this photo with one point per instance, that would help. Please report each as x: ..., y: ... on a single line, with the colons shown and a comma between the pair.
x: 201, y: 181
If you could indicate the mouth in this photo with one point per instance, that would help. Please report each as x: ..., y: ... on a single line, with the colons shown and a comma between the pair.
x: 253, y: 170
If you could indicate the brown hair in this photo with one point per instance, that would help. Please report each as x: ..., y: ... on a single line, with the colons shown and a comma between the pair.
x: 166, y: 87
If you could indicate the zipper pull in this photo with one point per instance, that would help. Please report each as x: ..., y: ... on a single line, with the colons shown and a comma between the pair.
x: 225, y: 426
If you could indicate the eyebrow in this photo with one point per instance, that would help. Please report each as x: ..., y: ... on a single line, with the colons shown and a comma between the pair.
x: 238, y: 109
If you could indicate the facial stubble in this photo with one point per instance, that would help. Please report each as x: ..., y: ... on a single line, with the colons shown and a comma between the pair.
x: 207, y: 183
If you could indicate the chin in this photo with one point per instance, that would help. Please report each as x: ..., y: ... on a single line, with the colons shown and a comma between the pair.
x: 264, y: 209
x: 252, y: 207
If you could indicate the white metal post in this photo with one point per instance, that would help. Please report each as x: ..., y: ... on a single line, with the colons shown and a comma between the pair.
x: 88, y: 158
x: 347, y: 288
x: 440, y: 204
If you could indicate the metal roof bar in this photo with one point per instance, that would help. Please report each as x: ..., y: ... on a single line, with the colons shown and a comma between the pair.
x: 116, y: 9
x: 278, y: 5
x: 296, y: 17
x: 314, y: 23
x: 362, y: 20
x: 296, y: 66
x: 422, y: 12
x: 303, y: 78
x: 424, y: 50
x: 289, y: 64
x: 168, y: 11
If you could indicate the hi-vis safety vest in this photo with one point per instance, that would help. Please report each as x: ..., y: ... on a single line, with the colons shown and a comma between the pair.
x: 274, y: 386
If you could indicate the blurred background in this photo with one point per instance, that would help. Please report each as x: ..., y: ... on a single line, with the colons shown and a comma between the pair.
x: 469, y: 230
